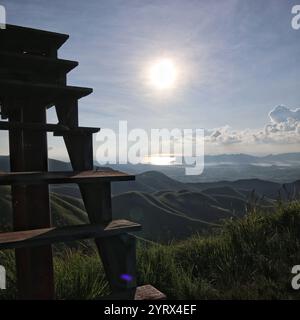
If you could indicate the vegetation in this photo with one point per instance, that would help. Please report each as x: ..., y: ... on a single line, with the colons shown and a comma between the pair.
x: 248, y: 258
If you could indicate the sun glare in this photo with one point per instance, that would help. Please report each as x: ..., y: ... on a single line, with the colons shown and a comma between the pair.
x: 160, y: 160
x: 163, y: 74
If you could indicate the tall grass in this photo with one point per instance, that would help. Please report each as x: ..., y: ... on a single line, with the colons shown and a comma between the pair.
x: 79, y: 276
x: 248, y: 258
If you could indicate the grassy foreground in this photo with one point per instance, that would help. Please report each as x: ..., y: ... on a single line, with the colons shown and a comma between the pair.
x: 248, y: 258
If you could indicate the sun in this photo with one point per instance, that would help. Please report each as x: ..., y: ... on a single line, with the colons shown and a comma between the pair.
x: 163, y: 74
x: 160, y: 160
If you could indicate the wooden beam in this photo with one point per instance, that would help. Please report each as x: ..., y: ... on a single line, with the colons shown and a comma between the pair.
x: 67, y: 112
x: 148, y: 292
x: 57, y: 129
x: 38, y: 237
x: 20, y: 39
x: 118, y: 253
x: 57, y: 177
x: 31, y: 207
x: 31, y: 63
x: 49, y: 93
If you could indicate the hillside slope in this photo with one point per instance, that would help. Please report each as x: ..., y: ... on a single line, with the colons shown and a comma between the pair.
x: 160, y: 222
x: 65, y: 210
x: 248, y: 258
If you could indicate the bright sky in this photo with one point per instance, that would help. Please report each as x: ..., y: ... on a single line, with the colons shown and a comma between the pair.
x: 235, y: 61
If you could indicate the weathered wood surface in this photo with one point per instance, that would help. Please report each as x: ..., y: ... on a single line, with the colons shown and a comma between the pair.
x: 29, y: 152
x: 21, y: 62
x: 38, y: 237
x: 20, y: 39
x: 118, y: 253
x: 46, y: 92
x: 145, y: 292
x: 57, y: 177
x: 49, y: 127
x: 148, y: 292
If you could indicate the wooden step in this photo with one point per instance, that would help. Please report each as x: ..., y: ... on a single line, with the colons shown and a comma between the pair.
x: 57, y: 129
x: 57, y: 177
x: 20, y: 39
x: 46, y: 92
x: 146, y: 292
x: 16, y: 62
x: 46, y: 236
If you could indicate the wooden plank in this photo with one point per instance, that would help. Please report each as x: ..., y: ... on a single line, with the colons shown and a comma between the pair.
x: 118, y: 253
x: 57, y: 177
x: 148, y: 292
x: 20, y: 39
x: 49, y: 93
x: 31, y: 207
x: 38, y: 237
x: 31, y: 63
x: 57, y: 129
x: 67, y: 112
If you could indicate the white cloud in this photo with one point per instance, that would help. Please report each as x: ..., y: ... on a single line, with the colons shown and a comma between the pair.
x: 283, y: 128
x: 281, y: 114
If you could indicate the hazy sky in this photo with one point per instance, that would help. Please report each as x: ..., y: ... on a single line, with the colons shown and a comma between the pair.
x: 237, y: 60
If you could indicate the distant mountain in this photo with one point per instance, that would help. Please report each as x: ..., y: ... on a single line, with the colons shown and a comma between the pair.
x: 280, y: 168
x: 167, y: 208
x: 54, y: 165
x: 261, y: 187
x: 150, y: 181
x: 231, y: 158
x: 249, y: 159
x: 284, y: 157
x: 65, y: 210
x: 155, y: 181
x: 229, y: 191
x: 160, y: 221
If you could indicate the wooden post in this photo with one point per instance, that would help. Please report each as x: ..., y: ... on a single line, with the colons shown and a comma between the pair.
x: 31, y: 209
x: 118, y: 253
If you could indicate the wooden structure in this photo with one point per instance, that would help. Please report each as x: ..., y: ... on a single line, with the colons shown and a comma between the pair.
x: 32, y: 79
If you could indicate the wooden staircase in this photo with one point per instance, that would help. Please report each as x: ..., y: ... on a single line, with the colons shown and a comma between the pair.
x: 33, y: 79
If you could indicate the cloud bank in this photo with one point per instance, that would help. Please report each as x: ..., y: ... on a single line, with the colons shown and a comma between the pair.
x: 283, y: 128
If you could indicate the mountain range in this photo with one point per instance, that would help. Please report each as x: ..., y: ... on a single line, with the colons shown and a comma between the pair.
x: 167, y: 208
x: 278, y: 168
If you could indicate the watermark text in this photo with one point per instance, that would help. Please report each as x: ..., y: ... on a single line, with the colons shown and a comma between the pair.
x: 2, y: 278
x: 296, y: 279
x: 159, y: 147
x: 296, y: 18
x: 2, y: 17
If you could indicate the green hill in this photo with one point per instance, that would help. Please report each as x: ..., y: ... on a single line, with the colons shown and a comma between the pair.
x: 165, y: 215
x: 150, y: 181
x: 248, y: 258
x: 160, y: 222
x: 65, y: 210
x: 195, y: 205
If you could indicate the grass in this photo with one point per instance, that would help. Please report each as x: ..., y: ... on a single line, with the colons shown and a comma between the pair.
x: 248, y: 258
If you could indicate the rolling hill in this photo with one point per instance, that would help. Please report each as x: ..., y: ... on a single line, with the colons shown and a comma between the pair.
x: 65, y: 210
x: 168, y: 209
